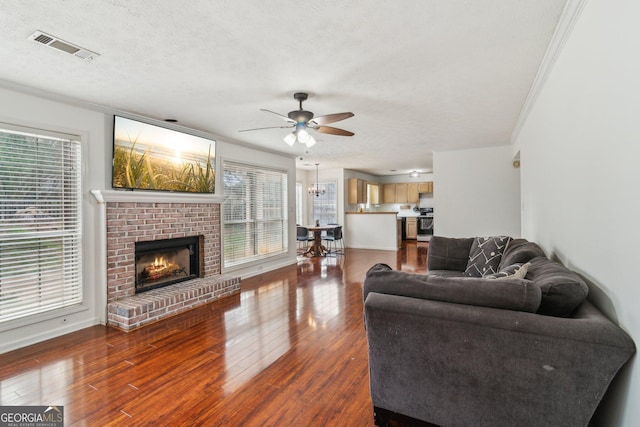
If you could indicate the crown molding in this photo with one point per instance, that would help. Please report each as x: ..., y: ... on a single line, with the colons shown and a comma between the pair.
x: 568, y: 19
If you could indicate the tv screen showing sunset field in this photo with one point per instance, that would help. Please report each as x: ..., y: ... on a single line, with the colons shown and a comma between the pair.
x: 150, y: 157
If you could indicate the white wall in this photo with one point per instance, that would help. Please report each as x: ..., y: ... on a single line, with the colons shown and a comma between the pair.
x: 21, y: 107
x: 358, y: 231
x: 394, y: 179
x: 476, y: 193
x: 580, y: 148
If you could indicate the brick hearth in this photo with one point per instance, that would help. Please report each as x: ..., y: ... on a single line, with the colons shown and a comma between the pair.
x: 131, y: 222
x: 133, y: 312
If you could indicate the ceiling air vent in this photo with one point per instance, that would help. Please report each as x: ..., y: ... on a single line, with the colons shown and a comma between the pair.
x: 56, y: 43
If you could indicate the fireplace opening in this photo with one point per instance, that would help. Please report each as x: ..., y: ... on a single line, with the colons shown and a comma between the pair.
x: 165, y: 262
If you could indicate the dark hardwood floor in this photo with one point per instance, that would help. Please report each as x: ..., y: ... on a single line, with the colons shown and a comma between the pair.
x: 290, y: 350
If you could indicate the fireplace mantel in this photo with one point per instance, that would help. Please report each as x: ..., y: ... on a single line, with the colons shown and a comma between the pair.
x: 104, y: 196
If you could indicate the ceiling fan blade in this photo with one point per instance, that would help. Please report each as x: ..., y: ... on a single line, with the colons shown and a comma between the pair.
x: 329, y: 118
x: 269, y: 127
x: 334, y: 131
x: 279, y: 115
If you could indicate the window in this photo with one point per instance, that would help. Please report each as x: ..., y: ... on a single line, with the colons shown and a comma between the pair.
x: 325, y: 206
x: 255, y: 213
x: 40, y: 222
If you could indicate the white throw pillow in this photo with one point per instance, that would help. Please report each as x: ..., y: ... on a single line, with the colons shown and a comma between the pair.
x: 513, y: 271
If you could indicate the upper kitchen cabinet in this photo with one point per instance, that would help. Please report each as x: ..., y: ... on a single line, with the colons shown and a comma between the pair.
x: 402, y: 194
x: 374, y: 194
x: 388, y: 193
x: 412, y: 192
x: 405, y: 192
x: 394, y: 193
x: 357, y: 191
x: 425, y: 187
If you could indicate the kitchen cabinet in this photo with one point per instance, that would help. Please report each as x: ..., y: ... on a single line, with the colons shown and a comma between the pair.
x: 402, y: 195
x: 388, y: 193
x: 405, y: 192
x: 374, y: 194
x: 412, y: 228
x: 425, y: 187
x: 413, y: 195
x: 357, y: 191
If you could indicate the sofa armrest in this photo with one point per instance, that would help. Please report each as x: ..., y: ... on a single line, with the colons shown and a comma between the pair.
x: 511, y: 294
x: 481, y: 366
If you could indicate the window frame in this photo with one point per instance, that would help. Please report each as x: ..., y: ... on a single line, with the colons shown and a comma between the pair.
x: 228, y: 265
x: 79, y: 304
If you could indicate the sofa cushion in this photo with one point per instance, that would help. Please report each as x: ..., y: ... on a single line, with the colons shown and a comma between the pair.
x: 512, y: 294
x: 485, y: 255
x: 448, y: 253
x: 562, y: 290
x: 519, y: 251
x: 514, y: 271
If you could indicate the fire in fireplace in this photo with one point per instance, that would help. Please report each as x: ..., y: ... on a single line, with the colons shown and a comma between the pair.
x: 165, y: 262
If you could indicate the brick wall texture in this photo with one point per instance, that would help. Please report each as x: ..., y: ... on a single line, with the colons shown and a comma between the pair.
x: 131, y: 222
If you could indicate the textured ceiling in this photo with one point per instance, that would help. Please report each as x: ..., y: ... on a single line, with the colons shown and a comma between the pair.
x: 419, y: 75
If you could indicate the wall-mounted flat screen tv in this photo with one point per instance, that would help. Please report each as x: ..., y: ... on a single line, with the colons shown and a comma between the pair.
x: 151, y: 157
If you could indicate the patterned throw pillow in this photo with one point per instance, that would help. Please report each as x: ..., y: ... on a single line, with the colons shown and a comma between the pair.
x: 513, y: 271
x: 485, y: 255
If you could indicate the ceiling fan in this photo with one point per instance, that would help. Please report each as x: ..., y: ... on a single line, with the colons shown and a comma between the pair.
x: 302, y: 120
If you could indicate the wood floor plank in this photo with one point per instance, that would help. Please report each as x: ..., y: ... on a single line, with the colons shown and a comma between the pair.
x: 289, y: 350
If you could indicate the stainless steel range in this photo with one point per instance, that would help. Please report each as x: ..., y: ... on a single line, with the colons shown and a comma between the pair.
x: 425, y: 224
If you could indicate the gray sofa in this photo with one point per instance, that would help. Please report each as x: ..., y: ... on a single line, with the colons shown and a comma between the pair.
x: 454, y: 350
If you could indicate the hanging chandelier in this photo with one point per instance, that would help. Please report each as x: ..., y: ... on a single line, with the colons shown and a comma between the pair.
x: 317, y: 191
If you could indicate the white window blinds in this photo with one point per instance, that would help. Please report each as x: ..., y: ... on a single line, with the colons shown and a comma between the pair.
x: 255, y: 213
x: 40, y: 223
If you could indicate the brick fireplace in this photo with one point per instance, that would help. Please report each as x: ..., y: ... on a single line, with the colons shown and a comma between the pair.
x: 130, y: 222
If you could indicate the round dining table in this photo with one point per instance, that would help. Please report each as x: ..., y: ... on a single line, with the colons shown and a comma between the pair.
x: 316, y: 248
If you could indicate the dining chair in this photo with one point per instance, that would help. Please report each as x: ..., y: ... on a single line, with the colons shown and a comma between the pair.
x: 334, y: 236
x: 302, y: 235
x: 324, y: 233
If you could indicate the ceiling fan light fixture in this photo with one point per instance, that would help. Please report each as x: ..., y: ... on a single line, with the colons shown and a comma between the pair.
x: 290, y: 139
x: 310, y: 141
x: 303, y: 135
